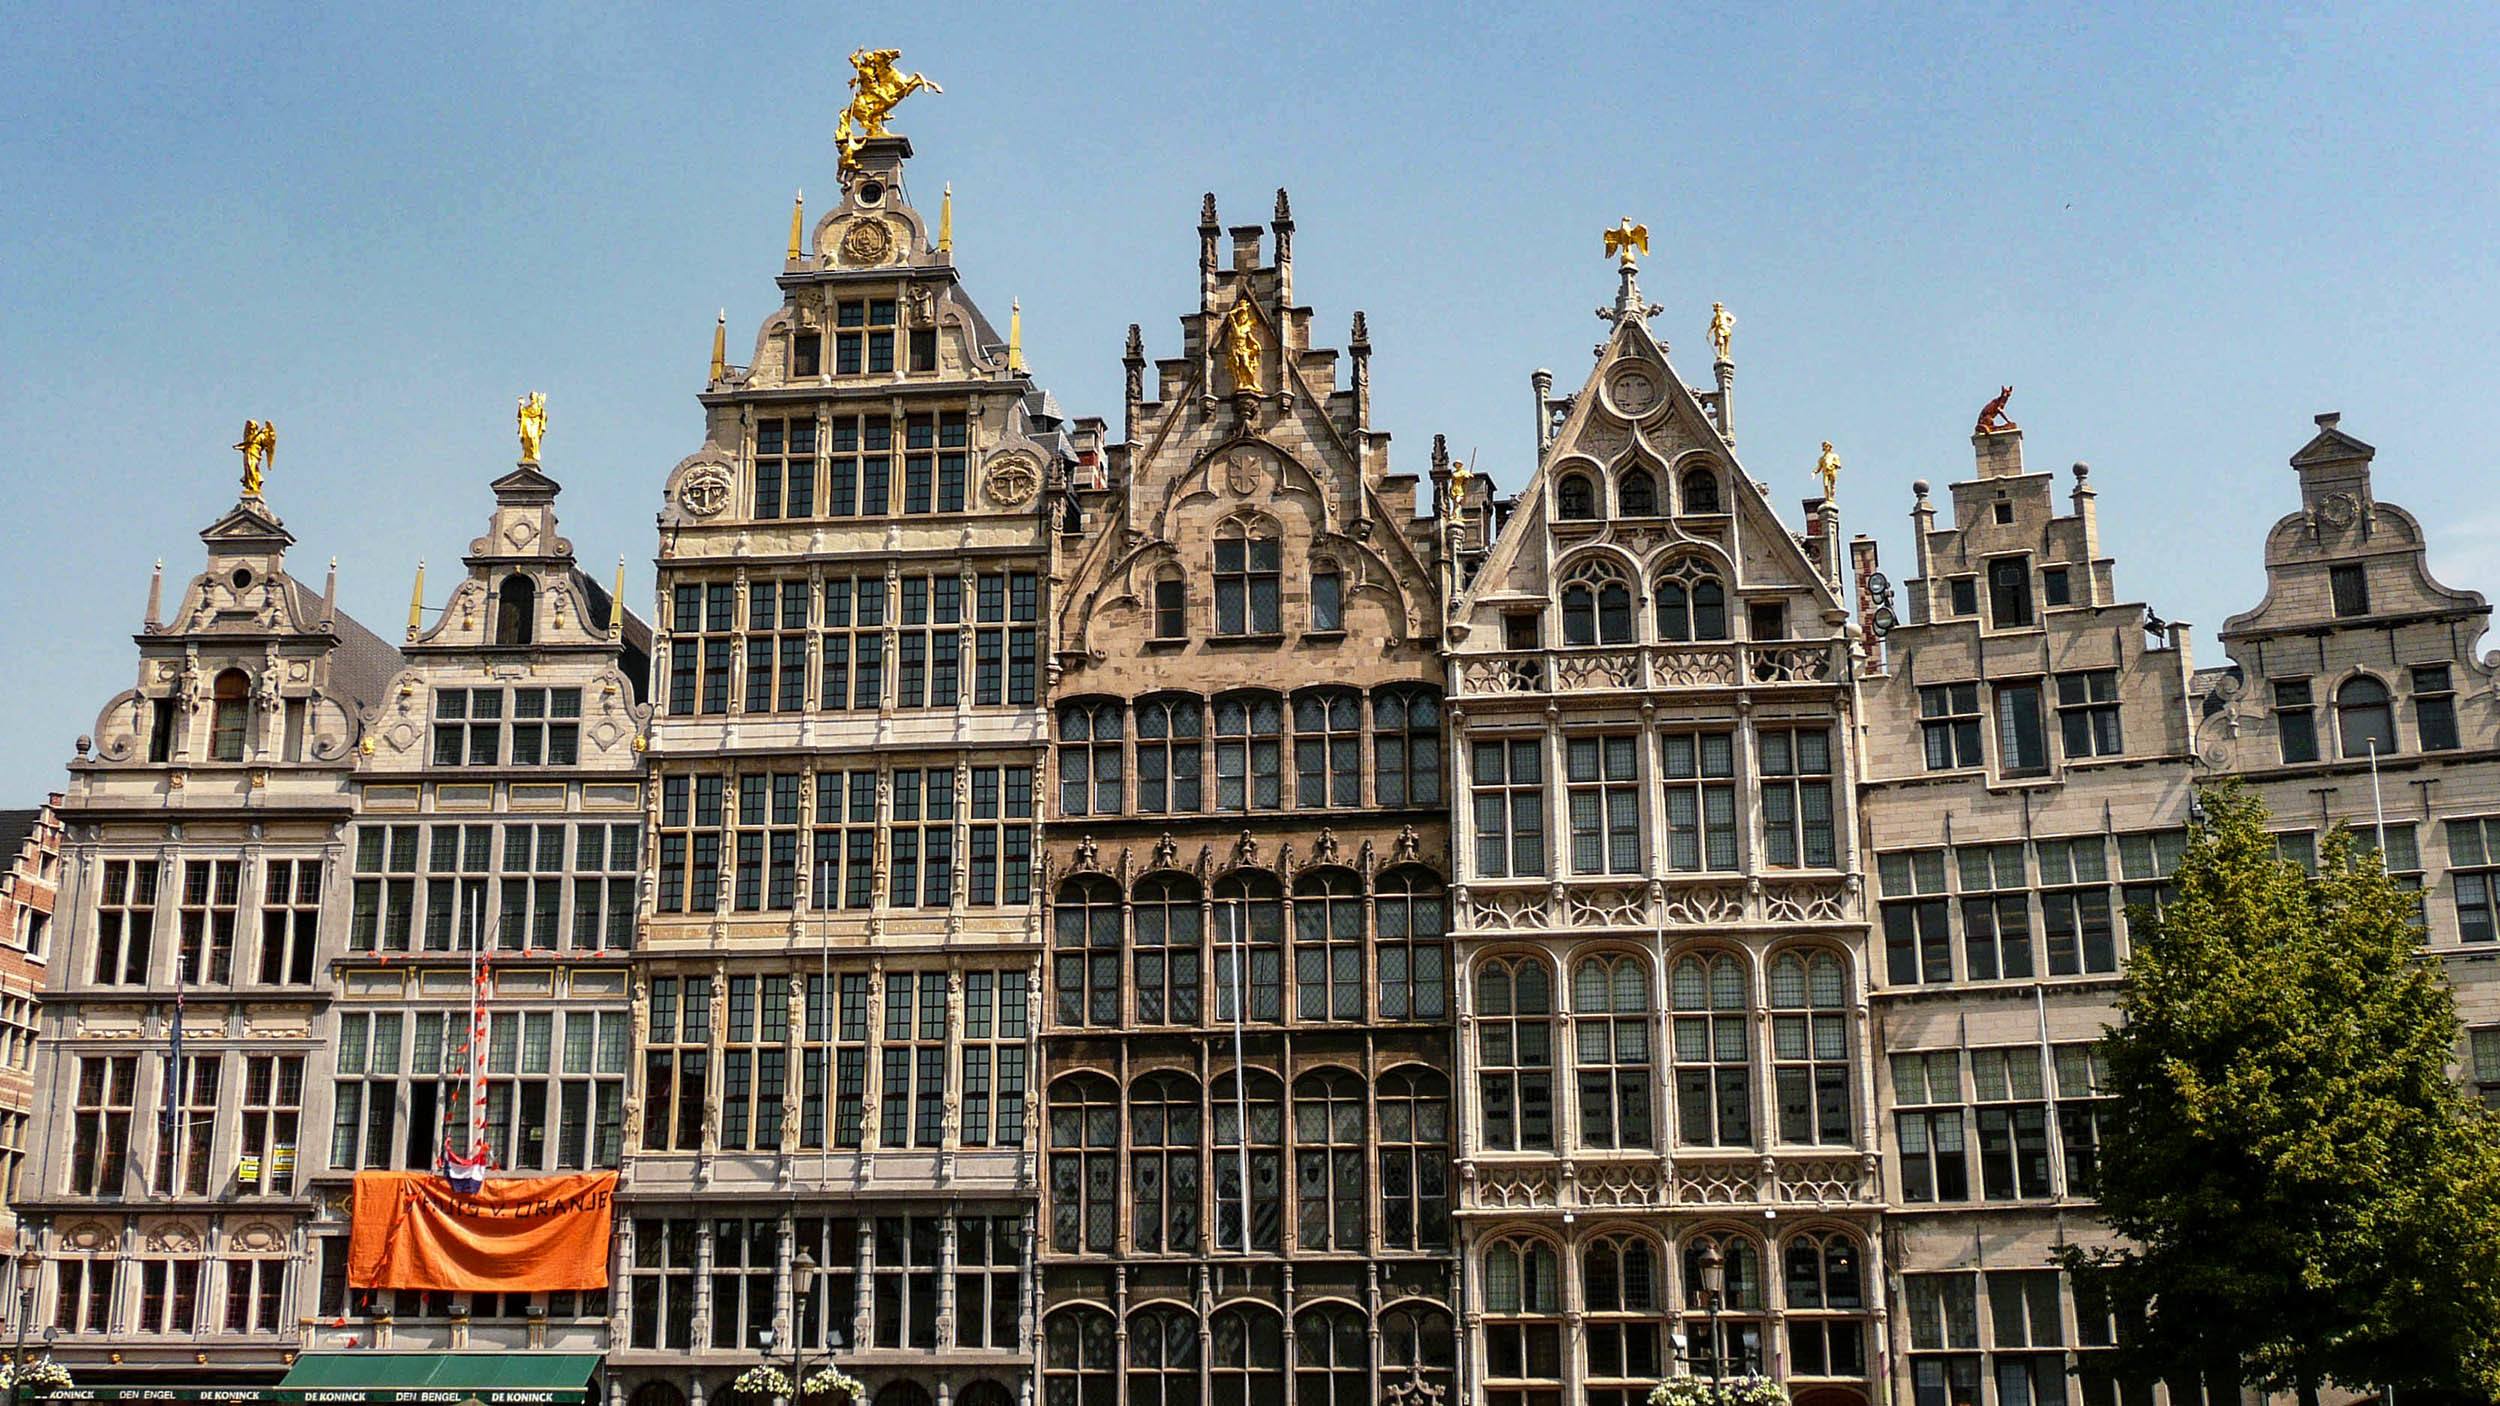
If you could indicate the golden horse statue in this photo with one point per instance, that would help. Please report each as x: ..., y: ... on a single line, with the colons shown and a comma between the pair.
x: 876, y: 90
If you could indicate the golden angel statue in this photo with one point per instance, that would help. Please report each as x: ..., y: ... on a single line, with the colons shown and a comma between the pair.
x: 876, y: 88
x: 532, y: 421
x: 1241, y: 346
x: 1625, y: 237
x: 1722, y: 330
x: 260, y: 449
x: 1827, y: 469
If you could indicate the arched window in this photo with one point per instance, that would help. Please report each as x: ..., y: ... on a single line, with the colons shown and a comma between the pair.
x: 985, y: 1393
x: 1414, y: 1159
x: 1810, y: 1047
x: 1328, y: 1159
x: 232, y: 694
x: 1327, y: 748
x: 1417, y: 1345
x: 1713, y: 1053
x: 1332, y: 1356
x: 1522, y: 1323
x: 1168, y: 753
x: 1249, y: 1353
x: 1084, y: 1165
x: 1739, y: 1345
x: 1575, y: 498
x: 903, y: 1391
x: 1636, y: 494
x: 1406, y: 747
x: 1161, y: 1357
x: 1249, y: 577
x: 1626, y: 1329
x: 1701, y: 491
x: 2362, y: 711
x: 516, y: 610
x: 1249, y: 752
x: 1412, y: 945
x: 1164, y: 910
x: 1249, y: 941
x: 1171, y: 605
x: 658, y: 1394
x: 1597, y: 605
x: 1262, y: 1096
x: 1328, y: 946
x: 1089, y: 758
x: 1327, y: 598
x: 1692, y: 602
x: 1080, y: 1357
x: 1515, y: 1053
x: 1610, y: 997
x: 1823, y: 1278
x: 1085, y: 951
x: 1163, y: 1164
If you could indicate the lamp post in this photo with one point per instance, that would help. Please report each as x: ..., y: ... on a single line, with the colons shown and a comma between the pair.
x: 27, y: 1268
x: 802, y: 1274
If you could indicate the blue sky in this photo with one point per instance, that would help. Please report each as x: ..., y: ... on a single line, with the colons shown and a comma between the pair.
x: 2178, y: 232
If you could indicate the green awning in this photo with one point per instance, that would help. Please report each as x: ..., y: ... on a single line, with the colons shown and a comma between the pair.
x: 566, y: 1374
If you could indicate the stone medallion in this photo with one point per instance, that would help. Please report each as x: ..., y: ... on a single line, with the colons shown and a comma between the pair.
x: 1633, y: 391
x: 1011, y: 481
x: 867, y: 242
x: 705, y: 491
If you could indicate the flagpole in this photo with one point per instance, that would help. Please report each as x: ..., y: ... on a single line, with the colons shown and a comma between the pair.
x: 1241, y: 1095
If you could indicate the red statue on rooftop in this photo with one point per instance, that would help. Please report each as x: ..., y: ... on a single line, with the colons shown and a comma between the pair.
x: 1992, y: 419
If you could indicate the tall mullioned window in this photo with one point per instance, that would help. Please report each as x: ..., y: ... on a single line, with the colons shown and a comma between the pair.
x: 1249, y: 585
x: 1713, y: 1053
x: 1797, y: 828
x: 1509, y: 786
x: 1515, y: 1054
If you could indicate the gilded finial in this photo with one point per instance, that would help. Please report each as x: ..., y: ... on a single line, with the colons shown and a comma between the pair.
x: 1827, y: 468
x: 946, y: 220
x: 1625, y: 237
x: 531, y: 421
x: 1015, y: 335
x: 798, y: 221
x: 1722, y: 330
x: 416, y: 602
x: 875, y: 90
x: 616, y: 603
x: 260, y: 450
x: 720, y: 348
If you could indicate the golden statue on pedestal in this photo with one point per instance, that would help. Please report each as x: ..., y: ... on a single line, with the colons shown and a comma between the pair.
x: 876, y: 88
x: 1241, y: 346
x: 1827, y: 469
x: 1722, y: 330
x: 1625, y: 237
x: 260, y: 449
x: 531, y: 419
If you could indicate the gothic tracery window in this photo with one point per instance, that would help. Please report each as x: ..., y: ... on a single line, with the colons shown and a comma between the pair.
x: 1622, y: 1294
x: 1610, y: 1002
x: 1085, y: 951
x: 1328, y: 977
x: 1332, y: 1356
x: 1713, y: 1052
x: 1084, y: 1165
x: 1597, y: 604
x: 1163, y: 1164
x: 1810, y: 1047
x: 1636, y: 494
x: 1080, y: 1359
x: 1164, y: 911
x: 1328, y: 1133
x: 1522, y: 1323
x: 1515, y: 1053
x: 1414, y: 1107
x: 1692, y: 602
x: 1575, y: 498
x: 1700, y: 491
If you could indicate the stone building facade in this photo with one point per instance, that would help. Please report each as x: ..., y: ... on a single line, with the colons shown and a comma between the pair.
x: 205, y: 834
x: 494, y: 871
x: 1661, y: 943
x: 2026, y: 777
x: 836, y: 996
x: 1247, y: 1023
x: 30, y: 889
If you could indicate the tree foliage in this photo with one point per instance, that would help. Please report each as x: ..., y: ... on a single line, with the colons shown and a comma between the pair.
x: 2310, y: 1198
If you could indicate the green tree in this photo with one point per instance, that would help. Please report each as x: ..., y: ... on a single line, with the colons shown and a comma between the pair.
x: 2308, y: 1197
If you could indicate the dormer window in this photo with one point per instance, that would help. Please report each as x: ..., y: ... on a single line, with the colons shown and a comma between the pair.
x: 1249, y: 585
x: 1692, y: 603
x: 1962, y: 594
x: 807, y: 354
x: 1701, y: 491
x: 1327, y: 599
x: 1171, y: 607
x: 863, y: 338
x: 516, y: 610
x: 2004, y: 513
x: 1637, y: 495
x: 2351, y: 589
x: 1575, y: 500
x: 1596, y: 606
x: 232, y: 695
x: 2364, y: 718
x: 2009, y: 592
x: 2055, y: 589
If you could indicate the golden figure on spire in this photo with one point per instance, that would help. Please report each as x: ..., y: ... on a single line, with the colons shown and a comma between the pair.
x: 876, y: 88
x: 1625, y: 237
x: 1827, y: 469
x: 1722, y: 330
x: 260, y: 449
x: 531, y: 419
x: 1241, y: 346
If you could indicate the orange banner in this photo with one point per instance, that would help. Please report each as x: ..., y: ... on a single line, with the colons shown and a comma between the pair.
x: 518, y: 1234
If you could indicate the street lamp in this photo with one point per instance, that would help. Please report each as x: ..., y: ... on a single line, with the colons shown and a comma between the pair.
x: 802, y: 1275
x: 27, y: 1268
